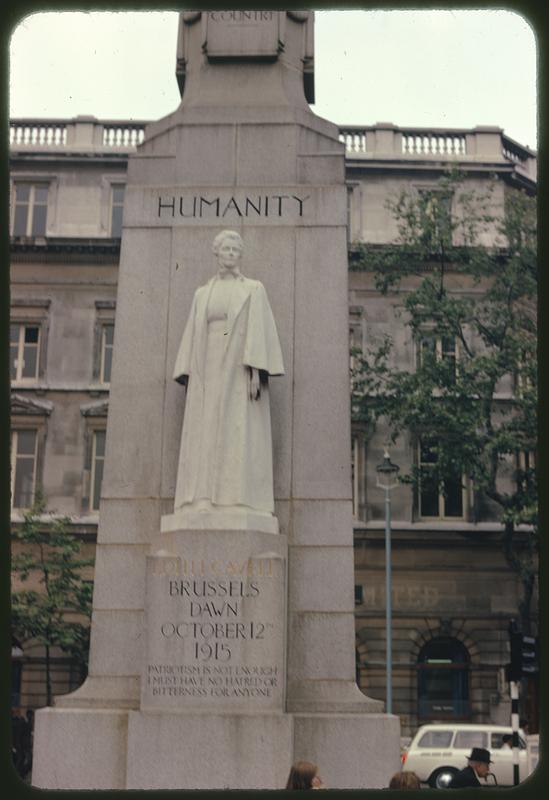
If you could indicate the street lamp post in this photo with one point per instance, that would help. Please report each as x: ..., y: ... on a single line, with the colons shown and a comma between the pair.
x: 386, y: 472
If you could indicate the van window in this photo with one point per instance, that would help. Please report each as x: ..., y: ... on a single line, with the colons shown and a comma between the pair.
x: 496, y: 741
x: 469, y: 739
x: 435, y: 739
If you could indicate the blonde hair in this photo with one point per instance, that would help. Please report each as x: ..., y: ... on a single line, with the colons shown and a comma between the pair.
x: 220, y: 238
x: 301, y: 775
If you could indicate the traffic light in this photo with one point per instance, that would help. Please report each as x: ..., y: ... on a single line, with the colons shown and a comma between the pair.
x: 524, y: 655
x: 530, y: 655
x: 514, y: 668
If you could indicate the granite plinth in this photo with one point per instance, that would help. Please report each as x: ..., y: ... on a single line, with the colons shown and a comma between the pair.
x: 80, y: 749
x: 208, y: 751
x: 102, y: 749
x: 213, y: 520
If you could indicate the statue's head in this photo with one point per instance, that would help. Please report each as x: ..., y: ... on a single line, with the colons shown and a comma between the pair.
x: 232, y: 237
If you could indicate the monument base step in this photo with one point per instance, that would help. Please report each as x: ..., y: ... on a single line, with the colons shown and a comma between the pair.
x: 120, y: 749
x: 234, y: 519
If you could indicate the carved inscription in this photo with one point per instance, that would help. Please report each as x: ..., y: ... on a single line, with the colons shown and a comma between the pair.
x: 207, y: 681
x: 404, y: 597
x: 215, y: 632
x: 291, y: 205
x: 200, y: 206
x: 241, y: 16
x: 242, y: 34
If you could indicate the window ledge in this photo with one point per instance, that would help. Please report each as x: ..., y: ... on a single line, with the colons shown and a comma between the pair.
x: 436, y: 525
x: 61, y: 387
x: 89, y: 519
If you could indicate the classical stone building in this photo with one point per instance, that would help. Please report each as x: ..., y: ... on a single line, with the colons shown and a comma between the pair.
x: 451, y: 611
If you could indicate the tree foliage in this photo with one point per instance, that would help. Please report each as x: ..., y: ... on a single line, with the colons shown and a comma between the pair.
x: 466, y: 270
x: 56, y: 611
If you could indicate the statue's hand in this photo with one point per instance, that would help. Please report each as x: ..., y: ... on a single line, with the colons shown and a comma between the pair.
x: 254, y: 384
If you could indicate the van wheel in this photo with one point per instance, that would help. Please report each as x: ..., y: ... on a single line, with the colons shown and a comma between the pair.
x: 440, y: 778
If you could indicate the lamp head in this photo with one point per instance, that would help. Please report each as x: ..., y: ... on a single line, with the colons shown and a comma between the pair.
x: 386, y: 471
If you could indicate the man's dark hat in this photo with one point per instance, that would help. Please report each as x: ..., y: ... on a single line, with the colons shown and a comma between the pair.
x: 480, y: 754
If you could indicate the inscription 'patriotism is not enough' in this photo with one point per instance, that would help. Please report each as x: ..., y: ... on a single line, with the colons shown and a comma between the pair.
x: 198, y: 206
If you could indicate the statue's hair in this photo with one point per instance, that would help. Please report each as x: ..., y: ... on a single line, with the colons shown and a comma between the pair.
x: 220, y: 238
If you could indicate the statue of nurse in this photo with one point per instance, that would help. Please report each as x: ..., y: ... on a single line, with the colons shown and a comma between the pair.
x: 229, y: 348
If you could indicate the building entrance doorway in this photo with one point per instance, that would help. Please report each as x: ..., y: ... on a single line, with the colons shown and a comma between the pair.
x: 443, y: 680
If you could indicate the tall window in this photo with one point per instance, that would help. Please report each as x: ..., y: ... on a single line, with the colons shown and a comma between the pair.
x: 443, y: 349
x: 443, y: 680
x: 358, y: 477
x: 23, y: 467
x: 436, y: 217
x: 436, y: 501
x: 16, y: 671
x: 117, y: 207
x: 526, y: 460
x: 30, y: 209
x: 107, y: 339
x: 24, y: 351
x: 356, y: 333
x: 97, y: 463
x: 523, y: 375
x: 354, y: 474
x: 526, y: 468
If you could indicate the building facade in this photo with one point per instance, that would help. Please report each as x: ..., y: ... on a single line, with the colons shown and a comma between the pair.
x: 453, y: 593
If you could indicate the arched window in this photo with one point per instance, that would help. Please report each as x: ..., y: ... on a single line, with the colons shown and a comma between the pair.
x: 443, y: 680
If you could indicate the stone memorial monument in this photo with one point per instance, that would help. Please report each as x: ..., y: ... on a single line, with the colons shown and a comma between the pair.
x: 222, y: 645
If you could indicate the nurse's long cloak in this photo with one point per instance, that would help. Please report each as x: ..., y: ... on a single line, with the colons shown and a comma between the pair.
x: 242, y: 472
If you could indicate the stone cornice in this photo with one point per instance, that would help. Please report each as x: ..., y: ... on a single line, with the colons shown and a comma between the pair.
x: 57, y: 248
x: 99, y: 408
x: 29, y: 406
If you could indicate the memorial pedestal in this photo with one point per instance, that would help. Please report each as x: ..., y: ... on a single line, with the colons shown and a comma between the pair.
x: 212, y: 708
x: 113, y: 749
x: 251, y: 751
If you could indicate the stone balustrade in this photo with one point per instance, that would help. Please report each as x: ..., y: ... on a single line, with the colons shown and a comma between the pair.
x: 123, y: 134
x: 380, y: 141
x: 447, y: 143
x: 38, y: 132
x: 385, y: 140
x: 81, y: 132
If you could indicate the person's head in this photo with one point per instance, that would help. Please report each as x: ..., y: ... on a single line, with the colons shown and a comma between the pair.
x: 480, y: 761
x: 405, y: 780
x: 303, y: 775
x: 507, y: 739
x: 227, y: 247
x: 525, y: 726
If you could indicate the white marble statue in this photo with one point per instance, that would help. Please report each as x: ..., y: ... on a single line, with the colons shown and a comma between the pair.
x: 229, y: 349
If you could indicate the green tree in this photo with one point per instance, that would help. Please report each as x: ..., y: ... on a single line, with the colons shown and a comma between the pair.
x: 56, y: 611
x: 467, y: 274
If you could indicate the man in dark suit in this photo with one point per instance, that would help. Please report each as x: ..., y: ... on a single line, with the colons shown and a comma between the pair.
x: 479, y: 767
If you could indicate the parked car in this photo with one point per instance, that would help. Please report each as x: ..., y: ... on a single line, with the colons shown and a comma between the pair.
x: 440, y: 750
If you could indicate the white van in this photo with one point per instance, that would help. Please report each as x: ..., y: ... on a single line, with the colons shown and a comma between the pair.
x: 438, y: 751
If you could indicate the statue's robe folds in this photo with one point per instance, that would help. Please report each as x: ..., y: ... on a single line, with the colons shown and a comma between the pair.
x: 236, y: 431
